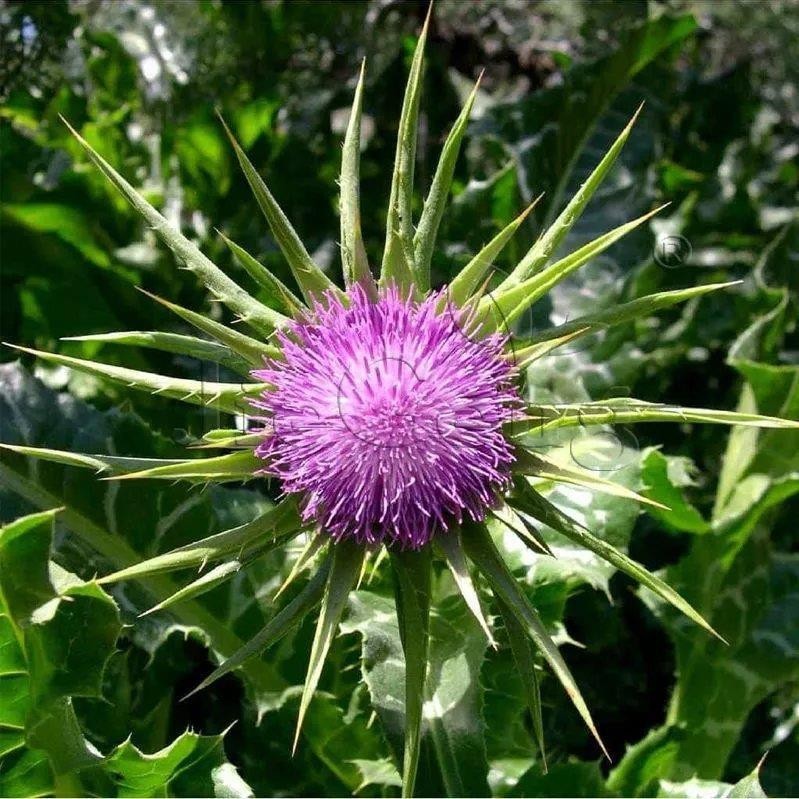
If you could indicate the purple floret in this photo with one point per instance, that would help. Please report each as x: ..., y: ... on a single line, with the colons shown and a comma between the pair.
x: 386, y: 417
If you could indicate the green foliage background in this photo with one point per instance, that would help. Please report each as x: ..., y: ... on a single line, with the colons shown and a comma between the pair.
x: 717, y: 138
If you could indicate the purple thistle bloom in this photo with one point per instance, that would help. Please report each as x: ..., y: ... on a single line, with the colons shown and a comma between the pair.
x: 387, y: 417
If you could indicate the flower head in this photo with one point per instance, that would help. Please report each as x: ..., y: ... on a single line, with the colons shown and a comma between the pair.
x: 387, y: 415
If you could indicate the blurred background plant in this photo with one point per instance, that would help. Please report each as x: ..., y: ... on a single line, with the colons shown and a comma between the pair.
x: 718, y: 138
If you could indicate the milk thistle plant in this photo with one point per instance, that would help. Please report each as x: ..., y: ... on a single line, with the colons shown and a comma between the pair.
x: 391, y: 414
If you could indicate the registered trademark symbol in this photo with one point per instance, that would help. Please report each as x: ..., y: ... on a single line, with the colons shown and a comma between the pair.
x: 672, y: 250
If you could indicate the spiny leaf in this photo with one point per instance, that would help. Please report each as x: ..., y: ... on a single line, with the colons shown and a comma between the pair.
x: 233, y: 466
x: 529, y: 349
x: 625, y: 410
x: 524, y: 657
x: 313, y: 282
x: 508, y: 305
x: 353, y: 254
x: 217, y: 282
x: 283, y: 621
x: 539, y: 466
x: 523, y: 528
x: 278, y: 290
x: 553, y: 517
x: 398, y: 257
x: 450, y: 543
x: 172, y: 342
x: 99, y: 463
x: 317, y: 541
x: 412, y: 576
x: 467, y: 281
x: 211, y: 579
x: 344, y: 569
x: 273, y: 527
x: 542, y: 250
x: 229, y: 397
x: 229, y: 439
x: 427, y: 230
x: 523, y: 357
x: 249, y: 348
x: 483, y: 553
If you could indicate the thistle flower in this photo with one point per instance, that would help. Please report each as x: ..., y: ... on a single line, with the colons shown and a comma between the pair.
x: 386, y: 417
x: 389, y: 415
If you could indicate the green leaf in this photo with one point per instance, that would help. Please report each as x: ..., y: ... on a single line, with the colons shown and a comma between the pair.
x: 456, y: 560
x: 313, y: 282
x: 206, y: 582
x: 425, y: 238
x: 271, y: 529
x: 638, y: 772
x: 252, y: 350
x: 412, y: 574
x: 663, y: 478
x: 115, y: 525
x: 523, y: 528
x: 235, y: 466
x: 565, y: 118
x: 99, y: 463
x: 285, y: 298
x: 625, y: 410
x: 453, y: 711
x: 283, y: 621
x: 217, y: 282
x: 467, y: 281
x: 570, y: 778
x: 525, y: 351
x: 610, y: 517
x: 508, y: 305
x: 524, y: 657
x: 229, y: 439
x: 228, y: 783
x: 542, y: 468
x: 56, y: 634
x: 549, y: 514
x: 353, y: 254
x: 526, y: 355
x: 317, y: 542
x: 747, y: 788
x: 453, y: 758
x: 398, y: 257
x: 377, y: 772
x: 228, y: 397
x: 189, y: 766
x: 545, y: 246
x: 483, y: 553
x: 347, y: 559
x: 175, y: 343
x: 68, y: 223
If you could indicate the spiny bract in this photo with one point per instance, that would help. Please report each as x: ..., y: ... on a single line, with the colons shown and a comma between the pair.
x: 389, y: 412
